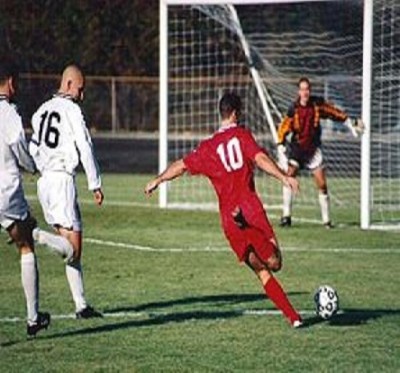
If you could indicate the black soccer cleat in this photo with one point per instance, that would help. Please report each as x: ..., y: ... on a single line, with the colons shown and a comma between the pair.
x: 329, y: 225
x: 286, y: 221
x: 88, y: 313
x: 42, y: 322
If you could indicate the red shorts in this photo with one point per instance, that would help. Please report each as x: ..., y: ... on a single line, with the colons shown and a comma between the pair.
x: 258, y: 235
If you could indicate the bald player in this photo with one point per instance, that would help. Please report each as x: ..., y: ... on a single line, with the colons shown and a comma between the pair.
x: 60, y: 142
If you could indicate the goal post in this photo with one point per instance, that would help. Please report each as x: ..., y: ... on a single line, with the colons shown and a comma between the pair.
x: 350, y: 55
x: 365, y: 218
x: 163, y: 100
x: 380, y: 177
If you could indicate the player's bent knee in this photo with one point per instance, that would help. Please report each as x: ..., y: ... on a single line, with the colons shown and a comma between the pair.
x: 254, y: 262
x: 21, y: 234
x: 274, y: 265
x: 274, y: 262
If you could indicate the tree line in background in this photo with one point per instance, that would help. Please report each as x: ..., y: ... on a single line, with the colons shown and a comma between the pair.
x: 106, y: 37
x: 120, y: 37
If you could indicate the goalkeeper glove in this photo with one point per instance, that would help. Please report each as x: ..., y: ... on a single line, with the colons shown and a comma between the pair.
x: 281, y: 150
x: 356, y: 126
x: 282, y: 156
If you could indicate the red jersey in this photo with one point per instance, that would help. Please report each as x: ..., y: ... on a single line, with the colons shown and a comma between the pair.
x: 227, y: 159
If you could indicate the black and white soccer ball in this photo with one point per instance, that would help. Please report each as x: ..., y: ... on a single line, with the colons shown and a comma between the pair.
x: 326, y: 301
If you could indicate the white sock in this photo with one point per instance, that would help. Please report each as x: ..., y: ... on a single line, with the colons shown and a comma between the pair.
x: 287, y: 201
x: 30, y: 283
x: 324, y: 204
x: 56, y: 243
x: 75, y: 281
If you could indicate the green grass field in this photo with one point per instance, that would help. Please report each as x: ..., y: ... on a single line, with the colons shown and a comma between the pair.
x: 176, y: 300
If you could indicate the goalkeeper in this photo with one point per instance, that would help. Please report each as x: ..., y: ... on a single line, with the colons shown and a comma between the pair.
x: 299, y: 144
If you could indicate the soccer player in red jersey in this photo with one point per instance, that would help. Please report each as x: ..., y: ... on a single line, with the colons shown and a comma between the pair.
x: 299, y: 142
x: 228, y: 159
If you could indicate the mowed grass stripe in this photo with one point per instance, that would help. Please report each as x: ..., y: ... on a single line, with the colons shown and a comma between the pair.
x: 226, y: 249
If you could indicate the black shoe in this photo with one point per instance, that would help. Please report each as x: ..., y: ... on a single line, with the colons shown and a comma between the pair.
x: 286, y: 221
x: 88, y: 313
x: 329, y: 225
x: 42, y: 322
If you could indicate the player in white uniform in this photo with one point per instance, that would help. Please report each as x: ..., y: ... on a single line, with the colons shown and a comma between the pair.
x: 59, y: 143
x: 15, y: 217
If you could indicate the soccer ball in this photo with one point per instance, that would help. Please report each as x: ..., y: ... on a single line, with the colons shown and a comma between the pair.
x: 326, y: 301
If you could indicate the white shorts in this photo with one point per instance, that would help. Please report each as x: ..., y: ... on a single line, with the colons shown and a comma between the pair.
x: 59, y: 199
x: 8, y: 222
x: 316, y: 161
x: 13, y: 204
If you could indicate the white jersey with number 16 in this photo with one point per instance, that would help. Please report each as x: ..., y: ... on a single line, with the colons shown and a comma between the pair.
x: 61, y: 139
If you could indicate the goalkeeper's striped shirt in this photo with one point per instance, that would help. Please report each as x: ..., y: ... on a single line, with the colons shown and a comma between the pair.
x: 304, y: 122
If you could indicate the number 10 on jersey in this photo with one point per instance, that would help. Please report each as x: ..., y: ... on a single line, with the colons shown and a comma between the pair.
x: 231, y: 154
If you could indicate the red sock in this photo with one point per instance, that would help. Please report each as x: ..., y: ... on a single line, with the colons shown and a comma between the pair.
x: 275, y: 292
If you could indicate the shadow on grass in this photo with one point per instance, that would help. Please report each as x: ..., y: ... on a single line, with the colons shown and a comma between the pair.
x: 218, y: 300
x: 351, y: 317
x: 153, y: 320
x: 348, y: 317
x: 354, y: 317
x: 154, y: 317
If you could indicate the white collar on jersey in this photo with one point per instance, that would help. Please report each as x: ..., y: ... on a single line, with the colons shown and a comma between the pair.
x: 4, y: 97
x: 64, y: 95
x: 227, y: 126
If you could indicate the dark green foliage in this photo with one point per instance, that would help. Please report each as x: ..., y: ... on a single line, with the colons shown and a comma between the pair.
x: 105, y: 37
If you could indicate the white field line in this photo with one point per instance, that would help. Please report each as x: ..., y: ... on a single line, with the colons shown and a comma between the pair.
x: 31, y: 198
x: 193, y: 207
x: 213, y: 207
x: 137, y: 315
x: 226, y: 249
x: 154, y: 249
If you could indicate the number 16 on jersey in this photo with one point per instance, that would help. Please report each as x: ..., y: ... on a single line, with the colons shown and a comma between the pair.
x: 46, y: 127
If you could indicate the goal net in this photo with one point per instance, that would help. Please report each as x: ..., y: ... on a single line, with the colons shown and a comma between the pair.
x: 385, y: 115
x: 260, y: 50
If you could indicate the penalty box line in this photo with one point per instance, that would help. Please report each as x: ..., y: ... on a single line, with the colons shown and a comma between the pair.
x: 155, y: 314
x: 226, y: 249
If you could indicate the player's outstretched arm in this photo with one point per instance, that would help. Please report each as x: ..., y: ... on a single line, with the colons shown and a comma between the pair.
x: 174, y: 170
x: 355, y: 125
x: 269, y: 166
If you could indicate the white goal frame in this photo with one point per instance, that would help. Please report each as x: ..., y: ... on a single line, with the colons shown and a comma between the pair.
x: 366, y: 93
